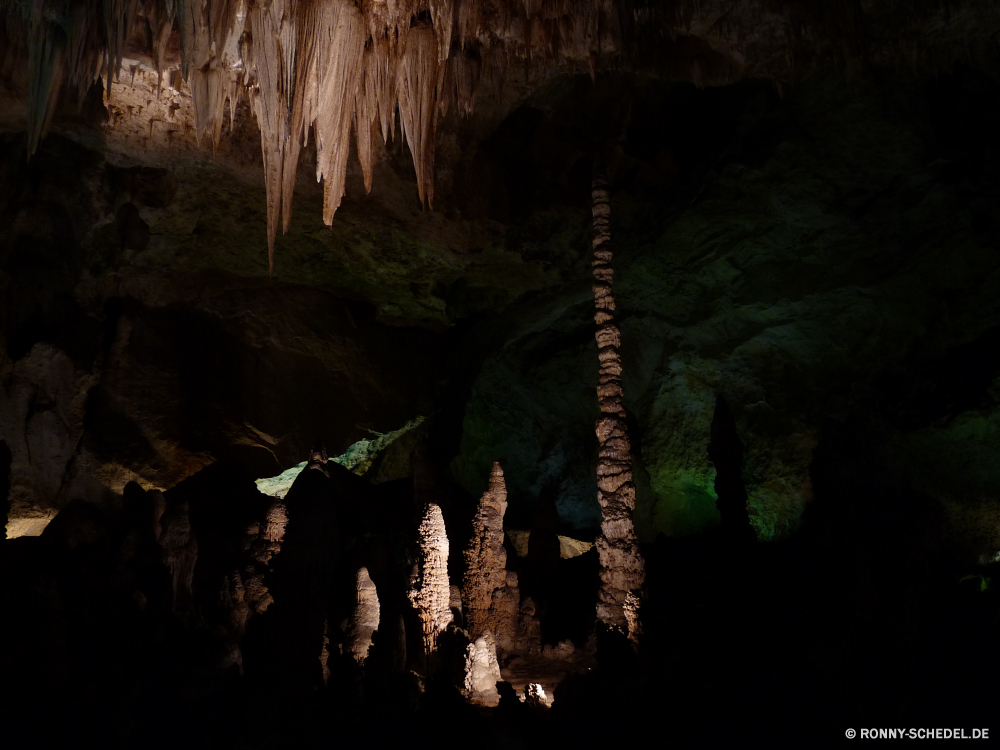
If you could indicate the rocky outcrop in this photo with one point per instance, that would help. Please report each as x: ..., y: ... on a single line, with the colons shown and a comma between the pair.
x: 486, y: 560
x: 365, y: 617
x: 43, y: 401
x: 482, y: 672
x: 430, y: 591
x: 622, y: 566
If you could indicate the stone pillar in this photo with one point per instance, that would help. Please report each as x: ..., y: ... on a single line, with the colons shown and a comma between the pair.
x: 622, y: 566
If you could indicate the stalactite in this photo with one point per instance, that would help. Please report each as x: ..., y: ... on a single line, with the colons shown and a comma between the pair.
x: 375, y: 107
x: 417, y: 88
x: 442, y: 14
x: 211, y: 35
x: 322, y: 65
x: 429, y: 586
x: 485, y: 559
x: 327, y: 66
x: 269, y: 59
x: 340, y: 32
x: 117, y: 19
x: 622, y: 567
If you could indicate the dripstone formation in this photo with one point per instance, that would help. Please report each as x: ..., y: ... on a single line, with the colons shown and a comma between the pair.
x: 430, y: 592
x: 364, y: 618
x: 486, y: 560
x: 622, y: 566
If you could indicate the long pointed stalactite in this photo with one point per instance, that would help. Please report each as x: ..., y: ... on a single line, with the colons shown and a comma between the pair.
x: 622, y: 567
x: 320, y: 66
x: 325, y: 66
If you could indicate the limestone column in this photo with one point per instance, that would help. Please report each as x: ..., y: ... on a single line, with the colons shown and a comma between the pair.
x: 622, y: 567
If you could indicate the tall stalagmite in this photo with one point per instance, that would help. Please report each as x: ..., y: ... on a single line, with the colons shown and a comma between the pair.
x: 365, y: 618
x: 622, y: 566
x: 485, y: 559
x: 430, y: 592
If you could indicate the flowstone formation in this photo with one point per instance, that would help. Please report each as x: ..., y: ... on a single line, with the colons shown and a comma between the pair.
x: 622, y: 566
x: 430, y: 591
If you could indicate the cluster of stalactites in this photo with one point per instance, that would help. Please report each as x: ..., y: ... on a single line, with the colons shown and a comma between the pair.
x: 622, y: 567
x: 430, y: 591
x: 486, y: 559
x: 326, y: 65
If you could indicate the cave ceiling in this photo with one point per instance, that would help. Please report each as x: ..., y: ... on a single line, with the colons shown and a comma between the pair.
x: 243, y: 224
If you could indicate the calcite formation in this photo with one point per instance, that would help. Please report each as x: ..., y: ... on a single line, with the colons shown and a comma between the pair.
x: 329, y: 68
x: 364, y: 618
x: 430, y: 591
x: 486, y: 559
x: 482, y: 672
x: 622, y: 567
x: 491, y: 598
x: 535, y: 697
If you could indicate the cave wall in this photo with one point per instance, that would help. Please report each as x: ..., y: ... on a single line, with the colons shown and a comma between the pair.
x: 808, y: 259
x: 114, y: 369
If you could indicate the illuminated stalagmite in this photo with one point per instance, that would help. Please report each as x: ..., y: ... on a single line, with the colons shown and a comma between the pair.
x: 622, y: 567
x: 482, y: 672
x: 430, y: 591
x: 485, y: 559
x: 364, y: 618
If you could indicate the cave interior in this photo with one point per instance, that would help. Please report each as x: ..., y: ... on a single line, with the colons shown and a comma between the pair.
x: 630, y: 372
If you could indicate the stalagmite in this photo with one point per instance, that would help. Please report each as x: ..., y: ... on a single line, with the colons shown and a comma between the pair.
x: 485, y: 559
x: 365, y: 618
x: 429, y: 588
x: 622, y: 567
x: 482, y: 672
